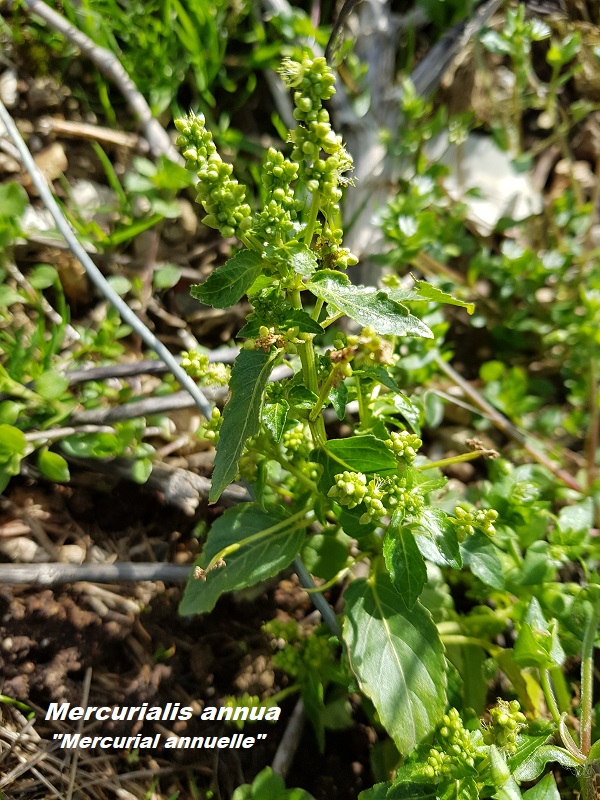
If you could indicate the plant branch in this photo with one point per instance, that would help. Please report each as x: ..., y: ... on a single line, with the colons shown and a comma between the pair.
x: 587, y: 681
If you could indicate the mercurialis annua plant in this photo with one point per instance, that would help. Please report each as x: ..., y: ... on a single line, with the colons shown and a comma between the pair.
x: 334, y: 496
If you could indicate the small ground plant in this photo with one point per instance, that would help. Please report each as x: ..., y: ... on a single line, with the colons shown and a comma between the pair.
x: 359, y: 490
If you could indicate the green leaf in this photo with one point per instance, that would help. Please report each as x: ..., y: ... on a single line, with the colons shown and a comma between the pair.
x: 241, y: 416
x: 297, y: 317
x: 9, y: 296
x: 526, y: 747
x: 507, y: 788
x: 230, y: 282
x: 12, y: 442
x: 119, y: 284
x: 366, y: 305
x: 53, y: 466
x: 338, y: 397
x: 377, y: 792
x: 13, y: 200
x: 141, y: 469
x: 51, y: 385
x: 301, y: 397
x: 43, y: 276
x: 404, y: 561
x: 324, y: 555
x: 480, y: 555
x: 266, y: 552
x: 532, y: 767
x: 429, y: 292
x: 397, y: 657
x: 302, y: 259
x: 579, y: 517
x: 166, y: 277
x: 362, y: 454
x: 274, y: 416
x: 546, y: 789
x: 411, y: 791
x: 439, y: 542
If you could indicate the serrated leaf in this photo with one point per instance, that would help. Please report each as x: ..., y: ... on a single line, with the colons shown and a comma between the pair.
x: 302, y: 259
x: 302, y: 319
x: 526, y: 746
x: 439, y: 542
x: 397, y: 657
x: 241, y: 415
x: 230, y: 282
x: 53, y: 466
x: 366, y: 305
x: 274, y: 416
x: 404, y: 561
x: 339, y: 399
x: 362, y: 454
x: 261, y: 558
x: 429, y: 292
x: 301, y: 397
x: 378, y: 374
x: 532, y: 767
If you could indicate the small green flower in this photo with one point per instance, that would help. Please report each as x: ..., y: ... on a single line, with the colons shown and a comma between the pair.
x: 220, y: 194
x: 468, y: 520
x: 507, y: 721
x: 350, y: 488
x: 404, y: 444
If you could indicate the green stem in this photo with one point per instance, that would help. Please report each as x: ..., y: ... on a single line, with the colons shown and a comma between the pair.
x: 317, y: 309
x: 251, y: 242
x: 363, y: 408
x: 297, y: 473
x: 300, y: 520
x: 587, y: 682
x: 445, y: 462
x: 312, y: 218
x: 309, y: 372
x: 330, y: 320
x: 561, y: 690
x: 549, y: 695
x: 323, y: 395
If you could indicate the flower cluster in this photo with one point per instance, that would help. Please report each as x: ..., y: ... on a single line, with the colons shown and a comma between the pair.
x: 220, y: 194
x: 405, y: 445
x: 468, y: 520
x: 210, y: 429
x: 507, y: 720
x: 455, y: 754
x: 297, y: 441
x: 280, y: 211
x: 350, y: 488
x: 379, y: 496
x: 197, y: 365
x: 314, y: 82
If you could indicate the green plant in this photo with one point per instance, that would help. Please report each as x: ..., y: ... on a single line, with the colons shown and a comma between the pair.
x: 316, y: 493
x: 269, y: 786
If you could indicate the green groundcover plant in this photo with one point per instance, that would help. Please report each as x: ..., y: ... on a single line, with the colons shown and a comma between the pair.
x: 360, y: 492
